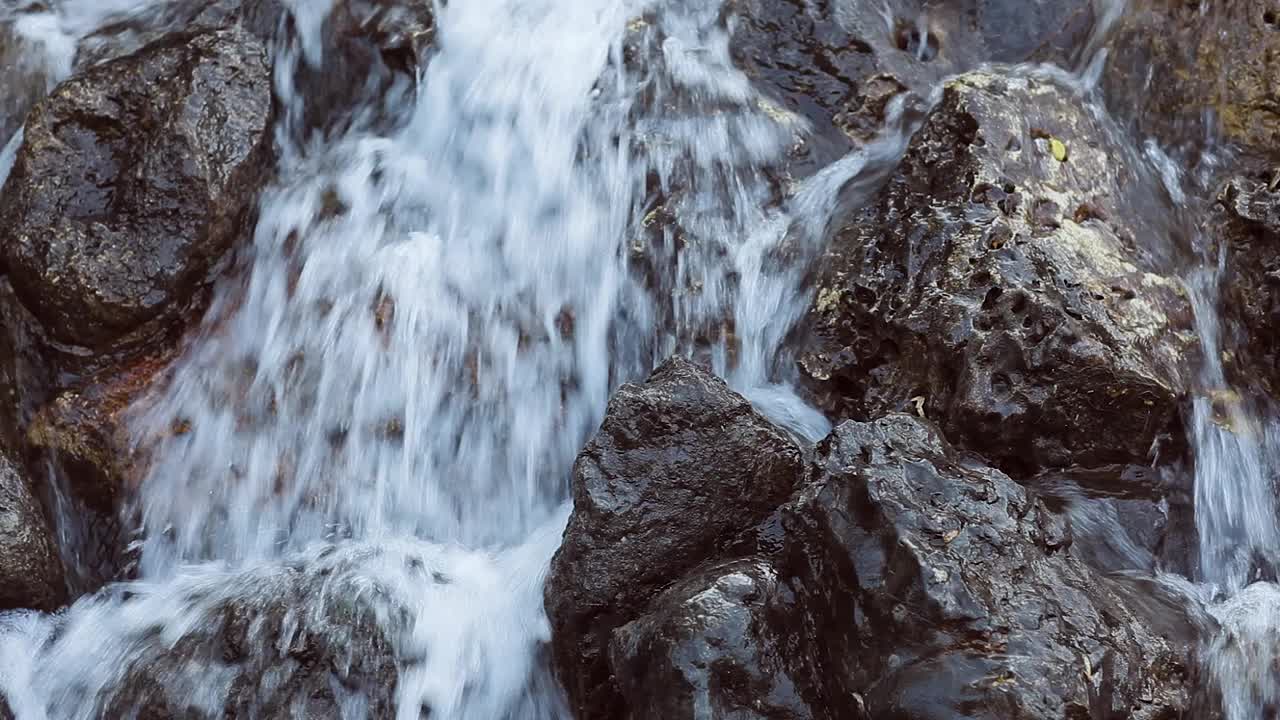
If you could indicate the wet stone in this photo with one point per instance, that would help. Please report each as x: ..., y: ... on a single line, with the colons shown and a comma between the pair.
x: 31, y: 573
x: 134, y: 180
x: 682, y: 470
x: 932, y: 586
x: 971, y: 291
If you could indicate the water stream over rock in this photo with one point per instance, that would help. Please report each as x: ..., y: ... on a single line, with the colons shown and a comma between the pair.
x: 358, y: 466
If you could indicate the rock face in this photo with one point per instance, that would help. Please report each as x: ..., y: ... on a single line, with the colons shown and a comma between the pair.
x: 31, y: 573
x: 682, y: 471
x: 994, y: 285
x: 1249, y: 227
x: 935, y: 587
x: 134, y: 180
x: 1181, y: 73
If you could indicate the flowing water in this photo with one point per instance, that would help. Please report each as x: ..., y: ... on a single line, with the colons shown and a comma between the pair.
x: 393, y: 399
x: 389, y: 404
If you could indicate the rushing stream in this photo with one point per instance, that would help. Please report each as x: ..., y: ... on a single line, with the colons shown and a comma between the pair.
x: 390, y: 403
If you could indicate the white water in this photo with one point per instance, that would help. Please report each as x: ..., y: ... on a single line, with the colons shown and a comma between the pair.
x: 408, y: 382
x: 398, y: 392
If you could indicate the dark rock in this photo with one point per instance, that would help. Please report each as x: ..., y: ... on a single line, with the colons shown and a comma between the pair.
x: 86, y: 428
x: 681, y: 471
x: 837, y: 64
x: 936, y: 587
x: 134, y: 180
x: 975, y: 290
x: 710, y: 647
x: 1248, y: 227
x: 366, y: 65
x: 1125, y: 518
x: 1182, y: 73
x: 355, y: 67
x: 23, y: 372
x: 31, y: 573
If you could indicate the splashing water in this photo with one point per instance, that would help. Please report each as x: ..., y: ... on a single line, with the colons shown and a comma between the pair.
x: 384, y: 414
x: 389, y: 406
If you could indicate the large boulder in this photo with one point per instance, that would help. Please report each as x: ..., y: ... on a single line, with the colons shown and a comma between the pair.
x: 31, y: 574
x: 932, y: 586
x: 1186, y: 71
x: 1007, y: 283
x: 133, y: 181
x: 682, y: 471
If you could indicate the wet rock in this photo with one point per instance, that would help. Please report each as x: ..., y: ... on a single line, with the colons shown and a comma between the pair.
x: 1181, y: 71
x: 1126, y: 518
x: 84, y: 432
x: 367, y: 64
x: 23, y: 373
x: 681, y: 471
x: 86, y: 428
x: 129, y: 33
x: 710, y: 647
x: 1248, y: 227
x: 935, y: 587
x: 274, y: 642
x: 837, y: 64
x: 134, y: 180
x: 31, y: 573
x: 363, y: 56
x: 995, y: 286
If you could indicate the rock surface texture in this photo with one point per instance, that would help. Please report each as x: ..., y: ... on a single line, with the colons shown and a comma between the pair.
x: 994, y: 286
x: 31, y: 574
x: 1248, y: 228
x: 682, y: 471
x: 1184, y: 71
x: 935, y: 587
x: 900, y: 580
x: 134, y: 180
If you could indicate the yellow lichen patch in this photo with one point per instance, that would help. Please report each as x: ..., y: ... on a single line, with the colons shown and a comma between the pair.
x: 827, y: 299
x: 1058, y: 149
x: 774, y: 112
